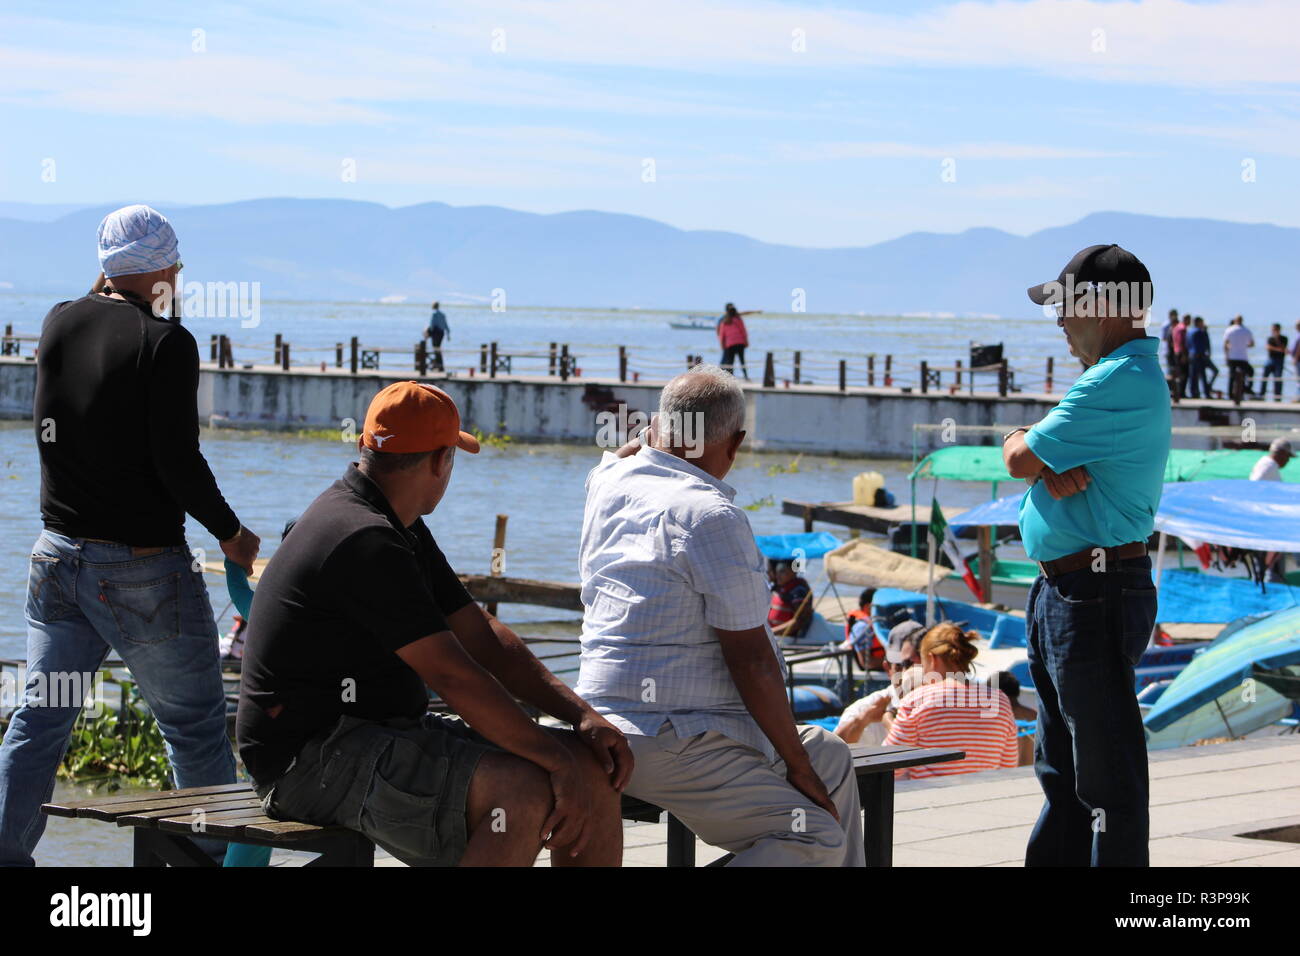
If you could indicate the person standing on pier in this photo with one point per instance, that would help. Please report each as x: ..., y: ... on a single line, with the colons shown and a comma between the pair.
x: 1199, y: 359
x: 1237, y: 343
x: 118, y: 436
x: 438, y: 328
x: 1275, y: 365
x: 677, y: 653
x: 734, y: 339
x: 1097, y: 466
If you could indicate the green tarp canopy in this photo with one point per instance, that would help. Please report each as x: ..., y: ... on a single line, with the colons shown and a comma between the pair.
x: 984, y: 463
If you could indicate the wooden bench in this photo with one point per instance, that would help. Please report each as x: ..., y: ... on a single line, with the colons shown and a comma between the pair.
x: 164, y: 824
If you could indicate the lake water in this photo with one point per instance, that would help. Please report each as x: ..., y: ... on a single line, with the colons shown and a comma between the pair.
x: 654, y: 349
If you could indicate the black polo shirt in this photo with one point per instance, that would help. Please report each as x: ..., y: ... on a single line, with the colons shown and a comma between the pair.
x: 347, y: 587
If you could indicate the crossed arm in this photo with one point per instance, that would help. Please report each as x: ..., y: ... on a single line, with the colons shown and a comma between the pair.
x: 1021, y: 462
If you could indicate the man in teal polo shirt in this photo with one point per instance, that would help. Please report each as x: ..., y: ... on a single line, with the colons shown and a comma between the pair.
x: 1097, y: 466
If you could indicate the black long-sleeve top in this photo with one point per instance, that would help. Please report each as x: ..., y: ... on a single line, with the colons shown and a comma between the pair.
x: 117, y: 425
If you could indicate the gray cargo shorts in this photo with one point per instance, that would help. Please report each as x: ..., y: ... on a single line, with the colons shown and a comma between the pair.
x: 403, y: 783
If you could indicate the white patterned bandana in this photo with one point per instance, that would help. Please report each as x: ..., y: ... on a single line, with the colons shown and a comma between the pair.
x: 136, y: 239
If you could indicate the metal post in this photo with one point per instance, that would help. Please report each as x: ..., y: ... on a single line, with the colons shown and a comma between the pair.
x: 497, y: 565
x: 1051, y: 363
x: 622, y: 363
x: 355, y: 347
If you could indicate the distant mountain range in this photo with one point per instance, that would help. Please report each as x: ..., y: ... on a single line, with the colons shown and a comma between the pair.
x: 345, y: 250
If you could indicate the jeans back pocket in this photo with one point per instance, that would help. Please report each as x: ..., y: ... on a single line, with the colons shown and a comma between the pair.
x: 46, y: 600
x: 146, y: 612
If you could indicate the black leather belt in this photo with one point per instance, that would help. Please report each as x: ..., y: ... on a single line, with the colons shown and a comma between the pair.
x: 1085, y: 558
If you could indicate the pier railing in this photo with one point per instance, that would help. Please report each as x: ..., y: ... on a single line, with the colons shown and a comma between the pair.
x: 777, y: 369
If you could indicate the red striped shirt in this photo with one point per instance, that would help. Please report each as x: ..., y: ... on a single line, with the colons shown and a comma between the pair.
x: 973, y: 717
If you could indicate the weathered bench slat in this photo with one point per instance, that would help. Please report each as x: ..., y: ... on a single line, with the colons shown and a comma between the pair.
x: 137, y: 817
x: 160, y: 803
x: 70, y: 808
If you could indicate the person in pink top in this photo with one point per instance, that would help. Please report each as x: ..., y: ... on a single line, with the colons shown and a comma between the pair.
x: 733, y: 337
x: 952, y: 710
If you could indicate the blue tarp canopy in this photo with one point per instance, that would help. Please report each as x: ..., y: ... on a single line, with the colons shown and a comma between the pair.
x: 1193, y: 598
x: 1255, y: 515
x: 1254, y: 648
x: 999, y: 511
x: 787, y: 547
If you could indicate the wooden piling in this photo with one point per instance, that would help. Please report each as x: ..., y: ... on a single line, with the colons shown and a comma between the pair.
x: 564, y: 362
x: 871, y: 371
x: 1002, y: 378
x: 843, y: 375
x: 551, y: 368
x: 622, y: 363
x: 889, y: 373
x: 492, y: 360
x: 279, y: 341
x: 338, y: 354
x: 1051, y: 367
x: 421, y: 357
x: 355, y: 348
x: 769, y: 372
x: 284, y: 356
x: 798, y: 366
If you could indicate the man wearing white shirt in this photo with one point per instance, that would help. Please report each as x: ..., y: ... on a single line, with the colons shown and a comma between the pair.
x: 1237, y: 343
x: 676, y: 651
x: 1269, y: 467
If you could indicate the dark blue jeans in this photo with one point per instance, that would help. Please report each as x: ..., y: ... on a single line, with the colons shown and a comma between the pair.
x: 1086, y: 632
x: 83, y: 599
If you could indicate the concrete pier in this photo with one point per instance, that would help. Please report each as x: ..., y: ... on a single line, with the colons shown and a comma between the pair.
x: 812, y: 419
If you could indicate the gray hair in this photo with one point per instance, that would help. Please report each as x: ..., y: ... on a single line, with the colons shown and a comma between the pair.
x: 700, y: 407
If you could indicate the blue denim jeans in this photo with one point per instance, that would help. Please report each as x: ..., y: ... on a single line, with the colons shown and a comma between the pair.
x: 1086, y: 632
x: 84, y: 598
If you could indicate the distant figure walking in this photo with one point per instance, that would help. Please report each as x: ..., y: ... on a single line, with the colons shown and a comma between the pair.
x: 1237, y: 343
x: 734, y: 338
x: 1201, y: 363
x: 1275, y: 367
x: 438, y: 329
x: 1178, y: 337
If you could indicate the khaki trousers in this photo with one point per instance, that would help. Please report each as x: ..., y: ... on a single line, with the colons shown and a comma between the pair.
x: 731, y: 797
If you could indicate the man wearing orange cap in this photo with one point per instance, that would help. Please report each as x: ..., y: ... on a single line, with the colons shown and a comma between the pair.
x: 355, y: 616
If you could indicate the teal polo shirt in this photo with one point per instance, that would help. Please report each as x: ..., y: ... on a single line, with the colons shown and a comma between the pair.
x: 1115, y: 421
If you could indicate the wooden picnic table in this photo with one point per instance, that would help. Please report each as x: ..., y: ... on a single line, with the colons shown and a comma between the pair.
x: 163, y: 824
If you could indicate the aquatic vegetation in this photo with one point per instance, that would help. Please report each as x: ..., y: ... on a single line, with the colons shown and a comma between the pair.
x: 119, y: 748
x: 790, y: 469
x: 493, y: 439
x: 766, y: 501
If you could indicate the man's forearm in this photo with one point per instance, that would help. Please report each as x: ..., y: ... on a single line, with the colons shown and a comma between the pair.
x: 529, y: 679
x: 499, y: 651
x: 1019, y: 458
x: 758, y: 679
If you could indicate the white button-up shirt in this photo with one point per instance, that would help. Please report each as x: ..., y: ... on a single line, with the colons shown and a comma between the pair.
x: 666, y: 557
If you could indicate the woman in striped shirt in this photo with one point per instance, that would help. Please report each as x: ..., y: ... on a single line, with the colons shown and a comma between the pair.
x: 950, y: 709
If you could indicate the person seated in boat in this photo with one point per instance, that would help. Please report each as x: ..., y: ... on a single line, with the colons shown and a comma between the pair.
x: 677, y: 653
x: 355, y: 618
x: 860, y: 636
x: 866, y: 720
x: 951, y: 710
x: 1006, y: 682
x: 790, y: 610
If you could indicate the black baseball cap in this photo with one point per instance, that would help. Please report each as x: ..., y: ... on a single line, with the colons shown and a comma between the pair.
x: 1110, y: 266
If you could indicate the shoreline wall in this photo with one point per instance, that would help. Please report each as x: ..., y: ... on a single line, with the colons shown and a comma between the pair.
x: 856, y: 423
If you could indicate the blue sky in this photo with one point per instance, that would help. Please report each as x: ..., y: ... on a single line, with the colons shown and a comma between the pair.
x: 1045, y: 111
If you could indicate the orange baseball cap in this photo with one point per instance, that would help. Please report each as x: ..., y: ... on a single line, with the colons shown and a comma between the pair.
x: 411, y: 417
